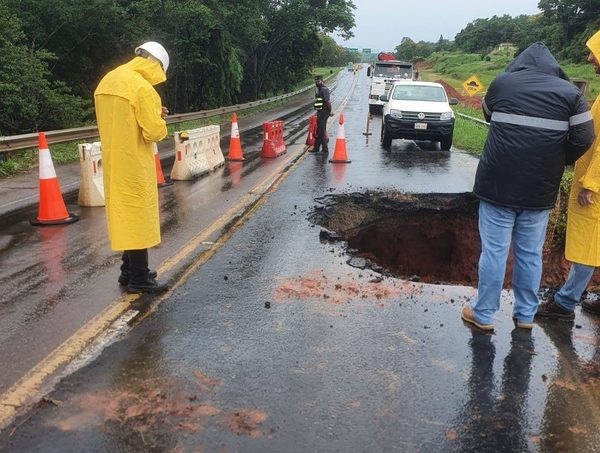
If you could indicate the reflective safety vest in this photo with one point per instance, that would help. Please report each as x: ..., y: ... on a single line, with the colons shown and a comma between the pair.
x: 319, y: 103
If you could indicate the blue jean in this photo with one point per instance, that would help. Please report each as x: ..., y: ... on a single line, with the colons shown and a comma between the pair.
x: 570, y: 294
x: 498, y: 226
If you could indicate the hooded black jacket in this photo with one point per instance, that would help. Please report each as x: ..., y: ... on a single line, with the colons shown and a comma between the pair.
x: 539, y: 122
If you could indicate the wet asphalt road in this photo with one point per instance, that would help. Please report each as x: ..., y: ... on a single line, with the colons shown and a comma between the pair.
x: 54, y: 279
x: 338, y: 361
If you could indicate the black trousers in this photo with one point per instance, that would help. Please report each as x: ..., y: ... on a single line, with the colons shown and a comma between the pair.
x: 321, y: 138
x: 135, y: 265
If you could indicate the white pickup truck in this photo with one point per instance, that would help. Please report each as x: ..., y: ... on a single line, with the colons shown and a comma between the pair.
x: 383, y: 75
x: 417, y: 111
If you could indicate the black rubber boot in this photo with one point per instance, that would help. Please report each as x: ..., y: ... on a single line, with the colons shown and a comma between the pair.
x: 124, y: 277
x: 140, y: 280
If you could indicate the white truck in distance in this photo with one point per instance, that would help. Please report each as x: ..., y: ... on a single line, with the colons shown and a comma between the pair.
x: 383, y: 74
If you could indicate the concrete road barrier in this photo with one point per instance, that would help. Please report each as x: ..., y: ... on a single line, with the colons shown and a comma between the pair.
x: 91, y: 188
x: 197, y: 152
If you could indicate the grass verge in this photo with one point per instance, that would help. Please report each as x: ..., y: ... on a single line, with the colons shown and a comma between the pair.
x: 469, y: 135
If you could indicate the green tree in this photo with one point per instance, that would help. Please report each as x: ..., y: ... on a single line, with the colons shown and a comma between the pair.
x: 483, y: 35
x: 332, y: 54
x: 88, y: 38
x: 567, y: 24
x: 222, y: 51
x: 30, y: 100
x: 409, y: 50
x: 287, y: 22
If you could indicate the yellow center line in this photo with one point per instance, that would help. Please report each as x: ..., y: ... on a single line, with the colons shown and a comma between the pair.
x: 28, y: 387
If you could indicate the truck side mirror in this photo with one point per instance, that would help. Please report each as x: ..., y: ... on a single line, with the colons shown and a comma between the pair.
x: 384, y: 98
x: 453, y: 101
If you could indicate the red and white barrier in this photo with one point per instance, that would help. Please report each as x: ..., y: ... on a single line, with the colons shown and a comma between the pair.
x: 273, y: 144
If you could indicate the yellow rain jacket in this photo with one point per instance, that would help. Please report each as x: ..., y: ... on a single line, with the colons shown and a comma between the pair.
x: 128, y: 113
x: 583, y: 225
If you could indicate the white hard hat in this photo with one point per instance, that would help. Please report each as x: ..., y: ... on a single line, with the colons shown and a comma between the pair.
x: 157, y: 51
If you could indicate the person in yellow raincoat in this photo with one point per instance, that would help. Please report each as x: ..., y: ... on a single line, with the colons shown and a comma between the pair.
x: 583, y: 224
x: 130, y: 119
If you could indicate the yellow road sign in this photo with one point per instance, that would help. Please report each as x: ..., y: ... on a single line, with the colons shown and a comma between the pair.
x: 472, y: 85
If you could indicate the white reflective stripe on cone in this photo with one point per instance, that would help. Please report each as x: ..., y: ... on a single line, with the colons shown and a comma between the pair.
x: 340, y: 131
x: 235, y: 131
x: 46, y: 165
x: 155, y: 148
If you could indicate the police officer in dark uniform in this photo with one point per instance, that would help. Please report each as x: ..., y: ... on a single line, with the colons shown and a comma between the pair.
x: 323, y: 108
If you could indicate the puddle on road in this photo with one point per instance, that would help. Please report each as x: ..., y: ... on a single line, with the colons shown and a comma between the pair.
x: 432, y: 238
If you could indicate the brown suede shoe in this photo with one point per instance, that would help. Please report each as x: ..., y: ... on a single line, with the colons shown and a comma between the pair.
x: 592, y: 306
x: 551, y: 310
x: 467, y: 315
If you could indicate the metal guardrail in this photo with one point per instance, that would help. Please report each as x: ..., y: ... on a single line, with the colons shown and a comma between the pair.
x: 475, y: 120
x: 24, y: 141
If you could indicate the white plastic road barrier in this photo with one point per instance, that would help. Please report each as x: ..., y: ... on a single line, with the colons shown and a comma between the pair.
x: 197, y: 152
x: 91, y: 188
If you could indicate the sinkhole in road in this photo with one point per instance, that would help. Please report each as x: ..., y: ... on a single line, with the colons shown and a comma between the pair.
x: 430, y: 237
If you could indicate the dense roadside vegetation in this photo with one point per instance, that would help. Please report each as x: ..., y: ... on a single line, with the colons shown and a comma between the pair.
x: 563, y: 25
x: 223, y: 52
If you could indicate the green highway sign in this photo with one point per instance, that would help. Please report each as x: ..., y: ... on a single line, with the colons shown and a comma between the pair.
x: 366, y: 50
x: 352, y: 50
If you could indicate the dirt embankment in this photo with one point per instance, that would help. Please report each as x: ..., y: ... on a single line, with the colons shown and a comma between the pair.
x: 463, y: 100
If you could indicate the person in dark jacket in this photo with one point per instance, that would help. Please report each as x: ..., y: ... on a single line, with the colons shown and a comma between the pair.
x: 539, y: 122
x: 323, y: 108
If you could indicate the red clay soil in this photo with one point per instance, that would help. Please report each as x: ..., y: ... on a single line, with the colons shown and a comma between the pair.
x: 342, y: 289
x: 246, y: 422
x: 463, y: 100
x: 435, y: 248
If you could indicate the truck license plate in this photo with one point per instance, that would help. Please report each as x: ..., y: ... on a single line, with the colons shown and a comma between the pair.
x: 420, y: 125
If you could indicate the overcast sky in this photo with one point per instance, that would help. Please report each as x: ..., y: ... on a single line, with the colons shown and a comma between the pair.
x: 381, y: 24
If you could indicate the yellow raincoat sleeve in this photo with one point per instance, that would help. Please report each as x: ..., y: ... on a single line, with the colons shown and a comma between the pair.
x: 147, y: 113
x: 590, y: 178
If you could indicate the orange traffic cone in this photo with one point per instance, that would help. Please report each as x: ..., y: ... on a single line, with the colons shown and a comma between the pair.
x: 235, y: 145
x: 339, y: 154
x: 160, y: 178
x: 52, y: 209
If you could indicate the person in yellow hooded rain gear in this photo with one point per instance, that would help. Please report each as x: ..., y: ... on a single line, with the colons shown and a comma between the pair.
x: 130, y: 119
x: 583, y: 223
